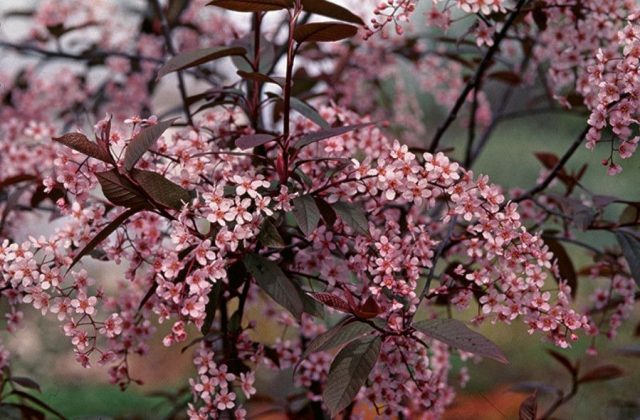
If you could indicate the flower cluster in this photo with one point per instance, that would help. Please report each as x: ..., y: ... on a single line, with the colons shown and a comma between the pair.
x: 339, y: 209
x: 592, y: 54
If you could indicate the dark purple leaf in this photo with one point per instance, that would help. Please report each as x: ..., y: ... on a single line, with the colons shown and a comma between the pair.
x: 342, y: 333
x: 16, y: 179
x: 508, y: 77
x: 602, y: 373
x: 632, y: 350
x: 121, y: 191
x: 456, y: 334
x: 82, y: 144
x: 630, y: 244
x: 306, y: 213
x: 37, y: 402
x: 327, y: 133
x: 349, y: 372
x: 26, y: 382
x: 308, y: 111
x: 332, y: 301
x: 263, y: 78
x: 252, y: 5
x: 103, y: 234
x: 353, y: 216
x: 331, y: 10
x: 323, y: 32
x: 161, y: 190
x: 537, y: 387
x: 529, y: 408
x: 326, y: 211
x: 253, y: 140
x: 269, y: 235
x: 212, y: 305
x: 565, y: 265
x: 275, y: 283
x: 563, y: 360
x: 143, y: 141
x: 194, y: 58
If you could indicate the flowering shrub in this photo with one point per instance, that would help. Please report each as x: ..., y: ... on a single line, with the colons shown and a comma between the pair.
x: 290, y: 190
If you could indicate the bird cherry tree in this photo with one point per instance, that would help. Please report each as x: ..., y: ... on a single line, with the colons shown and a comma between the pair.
x: 257, y: 162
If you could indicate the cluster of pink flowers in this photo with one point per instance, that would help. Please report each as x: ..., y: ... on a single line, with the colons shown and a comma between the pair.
x: 214, y: 386
x: 421, y: 210
x: 592, y: 52
x: 387, y: 12
x: 399, y: 190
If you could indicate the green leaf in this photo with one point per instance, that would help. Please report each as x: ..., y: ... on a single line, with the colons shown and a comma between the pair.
x: 349, y: 371
x: 121, y: 191
x: 306, y: 213
x: 194, y: 58
x: 308, y: 111
x: 456, y: 334
x: 342, y: 333
x: 352, y: 215
x: 161, y: 190
x: 323, y: 32
x: 103, y: 234
x: 630, y: 244
x: 319, y: 135
x: 82, y: 144
x: 275, y: 283
x: 269, y: 235
x: 332, y: 10
x: 143, y: 141
x: 251, y: 5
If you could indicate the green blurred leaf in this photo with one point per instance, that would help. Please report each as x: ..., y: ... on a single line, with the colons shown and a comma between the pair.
x: 103, y: 234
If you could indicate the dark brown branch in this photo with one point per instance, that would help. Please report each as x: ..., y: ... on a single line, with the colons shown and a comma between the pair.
x: 556, y: 169
x: 166, y: 31
x: 477, y: 77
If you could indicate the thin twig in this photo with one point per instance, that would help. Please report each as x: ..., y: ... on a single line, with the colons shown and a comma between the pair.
x: 166, y: 31
x: 477, y: 77
x: 556, y: 169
